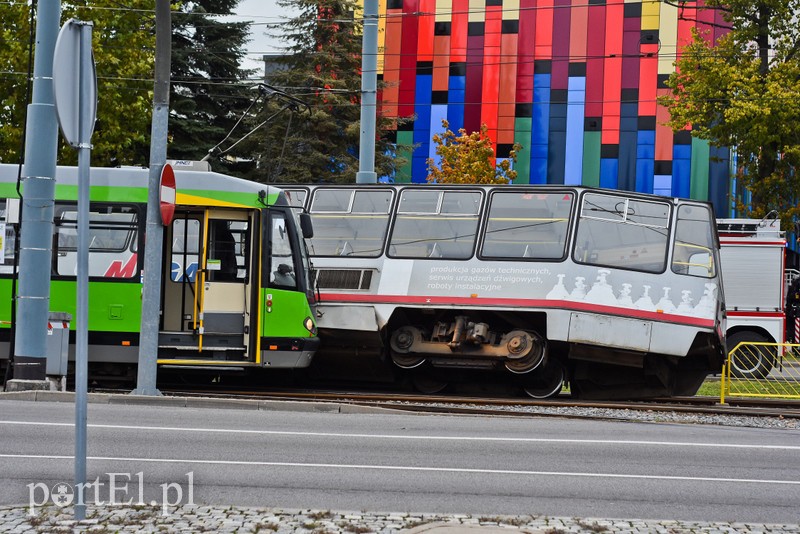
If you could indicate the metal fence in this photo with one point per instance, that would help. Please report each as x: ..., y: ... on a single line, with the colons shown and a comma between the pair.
x: 765, y: 370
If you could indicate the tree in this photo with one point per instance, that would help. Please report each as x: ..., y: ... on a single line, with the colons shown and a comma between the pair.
x: 322, y: 67
x: 207, y: 96
x: 469, y: 159
x: 741, y: 92
x: 123, y: 43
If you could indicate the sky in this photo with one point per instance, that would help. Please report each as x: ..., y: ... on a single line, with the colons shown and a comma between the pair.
x: 261, y: 12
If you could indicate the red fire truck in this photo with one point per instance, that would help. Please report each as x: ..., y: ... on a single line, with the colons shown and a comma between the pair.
x: 753, y: 262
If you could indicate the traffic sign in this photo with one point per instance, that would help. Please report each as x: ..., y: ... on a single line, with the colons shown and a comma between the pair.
x: 167, y: 194
x: 74, y: 73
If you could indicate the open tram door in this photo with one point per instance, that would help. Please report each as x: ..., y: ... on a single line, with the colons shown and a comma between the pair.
x: 209, y: 287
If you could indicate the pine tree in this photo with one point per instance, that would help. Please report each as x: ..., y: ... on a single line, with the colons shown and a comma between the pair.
x: 322, y: 67
x: 207, y: 93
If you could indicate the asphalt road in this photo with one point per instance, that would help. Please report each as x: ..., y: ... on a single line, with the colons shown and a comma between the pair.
x: 405, y: 463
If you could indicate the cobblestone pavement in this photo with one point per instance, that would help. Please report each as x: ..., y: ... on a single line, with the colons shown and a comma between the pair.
x: 124, y: 519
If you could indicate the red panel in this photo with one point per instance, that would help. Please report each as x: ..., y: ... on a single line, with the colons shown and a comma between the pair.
x: 391, y: 62
x: 544, y: 30
x: 595, y: 64
x: 491, y: 68
x: 663, y: 132
x: 526, y: 42
x: 630, y: 61
x: 561, y: 36
x: 612, y: 72
x: 473, y: 95
x: 577, y: 32
x: 648, y: 80
x: 508, y: 78
x: 427, y: 8
x: 441, y: 62
x: 458, y: 31
x: 408, y: 59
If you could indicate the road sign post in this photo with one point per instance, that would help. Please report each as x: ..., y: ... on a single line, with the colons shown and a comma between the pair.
x: 75, y: 91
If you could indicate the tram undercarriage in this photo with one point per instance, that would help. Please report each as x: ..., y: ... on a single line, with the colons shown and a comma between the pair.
x: 432, y: 345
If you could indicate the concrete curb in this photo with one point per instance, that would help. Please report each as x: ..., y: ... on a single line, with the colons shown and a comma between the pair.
x: 194, y: 402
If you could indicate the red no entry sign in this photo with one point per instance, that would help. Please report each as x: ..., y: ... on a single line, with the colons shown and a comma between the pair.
x: 167, y: 194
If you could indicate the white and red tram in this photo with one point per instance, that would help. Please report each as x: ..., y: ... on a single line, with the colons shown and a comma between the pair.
x: 617, y: 293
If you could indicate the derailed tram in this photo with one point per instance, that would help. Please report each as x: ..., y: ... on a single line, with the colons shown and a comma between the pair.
x: 618, y: 294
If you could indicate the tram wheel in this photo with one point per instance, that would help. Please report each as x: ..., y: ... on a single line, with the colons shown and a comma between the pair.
x: 407, y: 361
x: 428, y: 383
x: 529, y: 351
x: 401, y: 343
x: 546, y: 383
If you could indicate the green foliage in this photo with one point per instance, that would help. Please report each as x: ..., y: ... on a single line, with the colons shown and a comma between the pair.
x: 742, y: 92
x: 123, y: 42
x: 322, y: 67
x: 207, y: 96
x: 469, y: 159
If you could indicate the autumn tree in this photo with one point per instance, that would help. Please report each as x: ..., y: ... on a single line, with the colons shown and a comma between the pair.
x: 321, y: 66
x: 469, y: 159
x: 123, y: 42
x: 741, y: 92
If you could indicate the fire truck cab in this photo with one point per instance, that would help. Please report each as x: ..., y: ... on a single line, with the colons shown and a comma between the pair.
x: 752, y: 255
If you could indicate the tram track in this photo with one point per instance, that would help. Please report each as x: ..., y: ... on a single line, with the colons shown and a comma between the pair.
x: 491, y: 405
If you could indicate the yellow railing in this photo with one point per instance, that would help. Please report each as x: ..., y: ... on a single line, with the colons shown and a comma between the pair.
x: 766, y: 370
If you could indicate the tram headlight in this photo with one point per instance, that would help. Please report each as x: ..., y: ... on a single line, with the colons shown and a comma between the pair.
x: 310, y: 326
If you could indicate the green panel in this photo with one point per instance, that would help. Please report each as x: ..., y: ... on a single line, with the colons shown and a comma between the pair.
x: 113, y: 306
x: 403, y: 175
x: 591, y: 159
x: 289, y: 311
x: 698, y: 187
x: 522, y: 135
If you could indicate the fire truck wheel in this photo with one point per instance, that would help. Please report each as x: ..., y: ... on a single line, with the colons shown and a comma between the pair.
x: 751, y: 361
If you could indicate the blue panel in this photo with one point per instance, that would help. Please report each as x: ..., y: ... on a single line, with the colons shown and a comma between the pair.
x: 538, y: 171
x: 419, y: 169
x: 556, y: 153
x: 663, y: 192
x: 644, y: 175
x: 662, y: 181
x: 681, y: 176
x: 458, y: 83
x: 438, y: 112
x: 629, y: 117
x: 682, y: 152
x: 627, y: 161
x: 539, y: 151
x: 576, y: 100
x: 455, y: 112
x: 608, y: 173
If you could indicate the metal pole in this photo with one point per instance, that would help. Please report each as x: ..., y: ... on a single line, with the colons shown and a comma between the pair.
x: 36, y: 232
x: 154, y: 231
x: 82, y: 332
x: 369, y: 94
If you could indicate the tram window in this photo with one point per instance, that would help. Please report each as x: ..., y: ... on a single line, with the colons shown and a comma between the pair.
x: 621, y: 232
x: 349, y: 222
x: 185, y: 246
x: 112, y: 241
x: 692, y: 253
x: 281, y: 270
x: 436, y: 224
x: 9, y: 237
x: 296, y: 197
x: 228, y: 250
x: 527, y: 225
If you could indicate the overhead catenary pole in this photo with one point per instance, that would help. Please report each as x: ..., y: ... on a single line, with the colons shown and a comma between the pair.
x: 154, y: 231
x: 39, y: 173
x: 369, y: 94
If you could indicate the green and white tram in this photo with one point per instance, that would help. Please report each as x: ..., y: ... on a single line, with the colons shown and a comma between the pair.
x: 235, y: 273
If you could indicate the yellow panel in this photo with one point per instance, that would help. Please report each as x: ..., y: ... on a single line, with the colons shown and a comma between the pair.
x: 510, y: 9
x: 650, y: 13
x: 381, y: 34
x: 650, y: 22
x: 668, y: 35
x: 477, y: 11
x: 182, y: 199
x: 444, y: 10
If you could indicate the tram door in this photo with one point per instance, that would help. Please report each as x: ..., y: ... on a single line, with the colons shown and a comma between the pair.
x: 208, y: 289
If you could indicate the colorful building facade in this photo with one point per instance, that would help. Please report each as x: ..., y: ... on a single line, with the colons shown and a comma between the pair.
x: 574, y: 82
